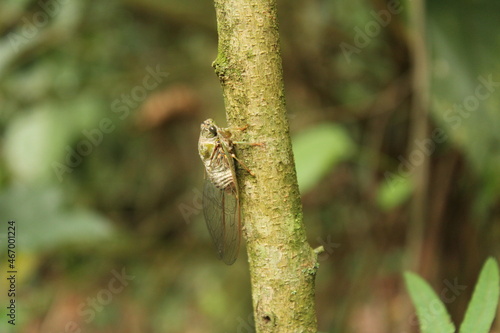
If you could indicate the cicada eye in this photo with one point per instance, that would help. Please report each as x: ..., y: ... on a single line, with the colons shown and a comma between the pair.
x: 213, y: 130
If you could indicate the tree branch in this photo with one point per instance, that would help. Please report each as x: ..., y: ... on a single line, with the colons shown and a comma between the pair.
x: 282, y: 264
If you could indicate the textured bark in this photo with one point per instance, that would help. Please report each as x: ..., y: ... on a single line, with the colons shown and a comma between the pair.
x: 282, y: 264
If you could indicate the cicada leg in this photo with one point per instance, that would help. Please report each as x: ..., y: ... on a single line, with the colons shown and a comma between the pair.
x: 260, y: 144
x: 242, y: 164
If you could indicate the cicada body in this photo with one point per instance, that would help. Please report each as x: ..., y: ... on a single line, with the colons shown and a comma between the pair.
x: 220, y: 193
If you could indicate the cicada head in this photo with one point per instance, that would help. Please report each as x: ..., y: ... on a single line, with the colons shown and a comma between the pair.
x: 208, y: 140
x: 208, y: 129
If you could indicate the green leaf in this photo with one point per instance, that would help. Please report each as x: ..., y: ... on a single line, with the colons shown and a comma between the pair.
x: 431, y: 311
x: 482, y: 308
x: 394, y: 192
x: 42, y: 136
x: 32, y: 142
x: 317, y: 150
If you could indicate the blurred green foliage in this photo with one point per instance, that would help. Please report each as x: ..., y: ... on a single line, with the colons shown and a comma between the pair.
x: 317, y: 151
x: 394, y: 192
x: 99, y: 168
x: 44, y: 208
x: 466, y: 85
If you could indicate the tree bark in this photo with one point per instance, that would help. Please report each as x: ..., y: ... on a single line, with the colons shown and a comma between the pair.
x: 282, y: 264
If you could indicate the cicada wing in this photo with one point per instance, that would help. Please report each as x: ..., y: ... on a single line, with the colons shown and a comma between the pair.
x: 222, y: 215
x: 232, y: 226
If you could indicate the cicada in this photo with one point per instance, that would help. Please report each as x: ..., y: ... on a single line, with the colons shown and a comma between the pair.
x: 221, y: 205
